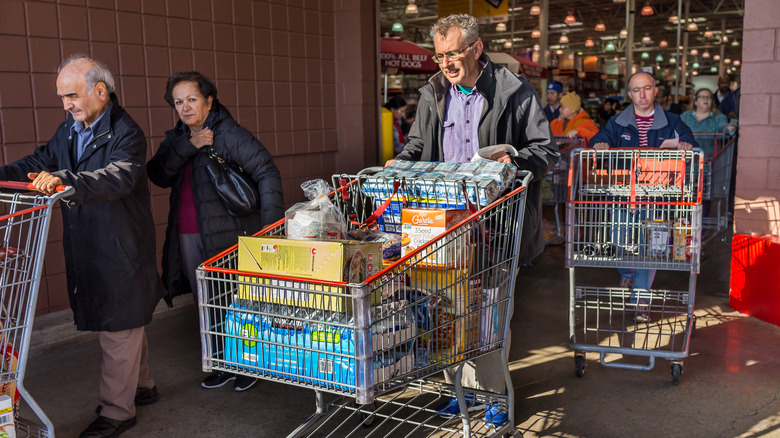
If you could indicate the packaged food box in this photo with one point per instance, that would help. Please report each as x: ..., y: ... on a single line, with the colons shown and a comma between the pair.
x: 658, y: 236
x: 7, y: 427
x: 327, y: 260
x: 446, y: 303
x: 421, y: 225
x: 682, y: 239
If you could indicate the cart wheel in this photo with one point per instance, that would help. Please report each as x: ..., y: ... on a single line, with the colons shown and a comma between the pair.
x: 579, y: 362
x: 676, y: 371
x: 364, y: 419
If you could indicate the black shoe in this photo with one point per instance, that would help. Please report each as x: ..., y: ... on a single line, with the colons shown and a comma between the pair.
x: 143, y: 397
x: 243, y: 383
x: 146, y: 396
x: 219, y: 378
x: 104, y: 427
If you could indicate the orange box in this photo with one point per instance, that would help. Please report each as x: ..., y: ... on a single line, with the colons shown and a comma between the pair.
x: 421, y: 225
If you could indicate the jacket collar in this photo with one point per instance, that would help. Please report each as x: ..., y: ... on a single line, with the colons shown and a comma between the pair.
x: 628, y: 117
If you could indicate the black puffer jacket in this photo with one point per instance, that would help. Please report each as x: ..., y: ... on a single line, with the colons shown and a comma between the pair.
x: 108, y: 228
x: 218, y: 229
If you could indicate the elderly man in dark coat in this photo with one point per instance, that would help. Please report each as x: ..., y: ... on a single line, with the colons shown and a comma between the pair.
x: 109, y: 238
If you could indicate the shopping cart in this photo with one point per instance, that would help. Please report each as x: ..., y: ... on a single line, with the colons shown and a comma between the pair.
x: 636, y: 209
x: 554, y: 187
x: 718, y: 166
x: 24, y: 227
x: 369, y: 346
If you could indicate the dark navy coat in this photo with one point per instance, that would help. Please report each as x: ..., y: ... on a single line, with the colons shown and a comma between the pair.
x: 108, y: 233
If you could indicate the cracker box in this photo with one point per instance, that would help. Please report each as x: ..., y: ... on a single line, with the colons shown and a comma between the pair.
x: 447, y: 308
x: 7, y: 428
x: 421, y: 225
x: 327, y: 260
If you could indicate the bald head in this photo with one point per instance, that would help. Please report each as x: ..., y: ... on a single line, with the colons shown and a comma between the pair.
x: 642, y: 90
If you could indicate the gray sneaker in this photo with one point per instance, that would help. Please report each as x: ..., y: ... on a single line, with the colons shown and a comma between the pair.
x: 642, y: 313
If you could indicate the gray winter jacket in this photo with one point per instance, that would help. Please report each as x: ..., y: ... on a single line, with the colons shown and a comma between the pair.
x: 512, y: 115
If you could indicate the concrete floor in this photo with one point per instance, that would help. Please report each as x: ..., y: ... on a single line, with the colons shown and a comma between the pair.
x: 729, y: 386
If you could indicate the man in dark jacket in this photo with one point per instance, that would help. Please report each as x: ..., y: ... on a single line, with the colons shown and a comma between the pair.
x: 471, y: 104
x: 643, y: 124
x: 109, y: 238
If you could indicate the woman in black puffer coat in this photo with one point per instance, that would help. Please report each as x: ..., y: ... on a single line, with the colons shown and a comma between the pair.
x: 199, y: 225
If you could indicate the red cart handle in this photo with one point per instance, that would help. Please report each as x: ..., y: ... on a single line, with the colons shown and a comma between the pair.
x: 27, y: 186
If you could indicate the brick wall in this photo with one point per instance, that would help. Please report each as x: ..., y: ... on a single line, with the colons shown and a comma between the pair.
x: 299, y: 74
x: 757, y: 210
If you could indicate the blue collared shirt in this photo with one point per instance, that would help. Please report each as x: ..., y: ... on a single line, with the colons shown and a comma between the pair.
x: 83, y: 135
x: 460, y: 136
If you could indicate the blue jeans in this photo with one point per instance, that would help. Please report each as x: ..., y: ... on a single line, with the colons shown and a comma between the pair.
x: 626, y: 234
x: 643, y: 279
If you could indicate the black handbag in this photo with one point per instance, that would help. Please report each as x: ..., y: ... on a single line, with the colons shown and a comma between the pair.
x: 235, y: 188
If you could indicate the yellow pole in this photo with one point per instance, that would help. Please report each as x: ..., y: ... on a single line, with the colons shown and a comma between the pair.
x: 387, y: 135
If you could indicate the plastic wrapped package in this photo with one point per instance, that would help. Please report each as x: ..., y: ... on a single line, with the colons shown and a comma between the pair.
x: 317, y: 218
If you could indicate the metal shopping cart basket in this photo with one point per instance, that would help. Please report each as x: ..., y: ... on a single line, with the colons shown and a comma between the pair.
x: 638, y: 209
x: 24, y: 226
x: 718, y: 166
x: 369, y: 346
x: 554, y: 186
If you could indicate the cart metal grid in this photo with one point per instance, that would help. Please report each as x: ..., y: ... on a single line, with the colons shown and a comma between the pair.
x: 637, y: 209
x: 414, y: 318
x: 24, y: 225
x: 554, y: 186
x: 718, y: 167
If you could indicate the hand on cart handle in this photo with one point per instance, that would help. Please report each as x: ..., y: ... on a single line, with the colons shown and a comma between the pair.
x: 601, y: 146
x: 45, y: 182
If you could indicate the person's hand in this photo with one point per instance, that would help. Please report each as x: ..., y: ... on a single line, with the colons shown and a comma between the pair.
x: 572, y: 133
x: 731, y: 127
x: 45, y: 182
x: 501, y: 157
x: 203, y: 138
x: 684, y: 146
x: 601, y: 146
x: 389, y: 162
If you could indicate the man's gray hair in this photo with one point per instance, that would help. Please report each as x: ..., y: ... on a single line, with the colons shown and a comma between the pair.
x: 98, y: 72
x: 466, y: 23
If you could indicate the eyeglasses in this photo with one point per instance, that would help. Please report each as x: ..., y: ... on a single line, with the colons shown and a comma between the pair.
x: 646, y: 89
x: 452, y: 56
x: 704, y: 97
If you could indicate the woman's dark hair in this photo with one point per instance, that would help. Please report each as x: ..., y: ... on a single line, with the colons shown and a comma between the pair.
x: 205, y: 86
x: 395, y: 102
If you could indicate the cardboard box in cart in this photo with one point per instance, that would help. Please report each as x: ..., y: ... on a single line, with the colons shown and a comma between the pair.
x: 7, y: 428
x: 327, y: 260
x: 421, y: 225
